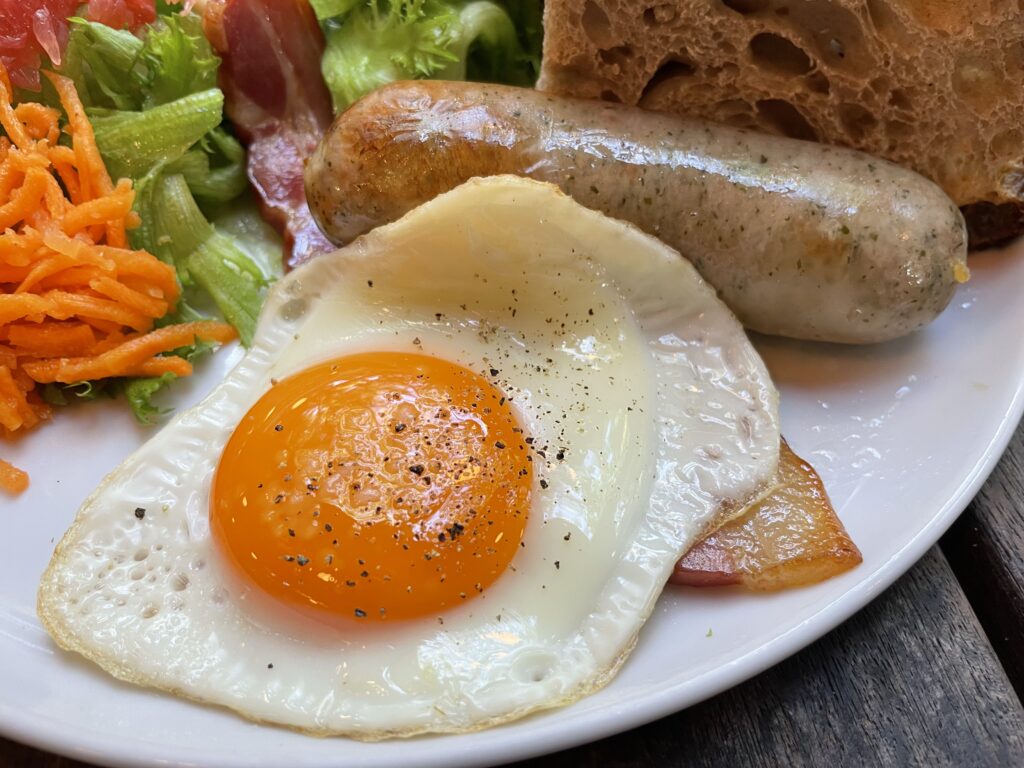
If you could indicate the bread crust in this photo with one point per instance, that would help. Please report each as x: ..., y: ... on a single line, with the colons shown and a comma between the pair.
x: 933, y: 85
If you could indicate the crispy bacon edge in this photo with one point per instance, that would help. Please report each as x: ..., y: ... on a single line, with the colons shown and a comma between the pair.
x: 789, y: 538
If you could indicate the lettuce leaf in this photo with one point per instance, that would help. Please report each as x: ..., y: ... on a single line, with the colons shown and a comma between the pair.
x: 179, y: 234
x: 140, y: 393
x: 132, y: 142
x: 115, y: 69
x: 158, y: 119
x: 57, y: 394
x: 97, y: 59
x: 215, y: 169
x: 155, y: 100
x: 488, y: 47
x: 326, y: 9
x: 176, y: 60
x: 374, y: 42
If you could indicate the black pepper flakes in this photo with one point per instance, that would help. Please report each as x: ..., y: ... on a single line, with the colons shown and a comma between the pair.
x: 360, y: 613
x: 302, y: 560
x: 543, y: 483
x: 416, y: 469
x: 140, y: 512
x: 279, y: 428
x: 399, y: 427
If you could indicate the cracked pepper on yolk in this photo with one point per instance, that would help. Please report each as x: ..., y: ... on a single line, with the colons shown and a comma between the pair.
x: 382, y: 485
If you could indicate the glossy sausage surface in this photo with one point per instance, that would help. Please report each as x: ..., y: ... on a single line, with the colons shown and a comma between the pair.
x: 800, y: 239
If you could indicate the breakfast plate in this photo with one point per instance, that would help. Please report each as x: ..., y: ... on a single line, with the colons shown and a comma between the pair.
x: 903, y: 434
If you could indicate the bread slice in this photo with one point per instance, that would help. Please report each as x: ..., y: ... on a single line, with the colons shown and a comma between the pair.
x: 934, y: 85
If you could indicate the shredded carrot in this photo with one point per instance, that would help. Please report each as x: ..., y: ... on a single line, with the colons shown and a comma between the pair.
x: 25, y: 199
x: 12, y: 479
x: 15, y: 306
x: 40, y: 121
x: 158, y: 366
x: 112, y: 207
x: 76, y: 302
x: 129, y: 355
x: 67, y: 305
x: 51, y: 339
x: 137, y: 300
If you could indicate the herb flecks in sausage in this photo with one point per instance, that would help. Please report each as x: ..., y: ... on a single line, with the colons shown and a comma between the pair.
x: 800, y: 239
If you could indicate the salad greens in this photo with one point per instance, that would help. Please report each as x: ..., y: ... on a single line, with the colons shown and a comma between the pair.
x: 157, y: 114
x: 133, y: 142
x: 158, y: 118
x: 374, y: 42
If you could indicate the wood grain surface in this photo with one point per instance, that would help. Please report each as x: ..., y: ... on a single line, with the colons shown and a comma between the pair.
x: 909, y: 681
x: 986, y: 549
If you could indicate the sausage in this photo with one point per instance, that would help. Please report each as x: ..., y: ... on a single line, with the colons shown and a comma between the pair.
x: 800, y: 239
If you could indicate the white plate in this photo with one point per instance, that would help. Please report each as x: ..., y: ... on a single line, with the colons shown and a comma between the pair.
x: 903, y: 435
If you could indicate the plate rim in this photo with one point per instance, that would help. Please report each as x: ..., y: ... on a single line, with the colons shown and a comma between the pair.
x: 49, y: 733
x: 40, y: 733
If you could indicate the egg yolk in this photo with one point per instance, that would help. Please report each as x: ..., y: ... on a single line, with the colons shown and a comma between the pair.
x: 376, y: 486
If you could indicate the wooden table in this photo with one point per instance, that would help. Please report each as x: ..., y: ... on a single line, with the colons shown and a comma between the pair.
x: 930, y: 674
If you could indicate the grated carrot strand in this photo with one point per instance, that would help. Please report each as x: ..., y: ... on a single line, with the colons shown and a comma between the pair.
x: 76, y: 302
x: 12, y: 479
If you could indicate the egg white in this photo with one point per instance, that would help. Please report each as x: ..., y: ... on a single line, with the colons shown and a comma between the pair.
x: 653, y: 407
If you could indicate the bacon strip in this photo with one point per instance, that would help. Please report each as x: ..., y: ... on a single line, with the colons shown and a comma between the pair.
x: 276, y: 97
x: 790, y: 538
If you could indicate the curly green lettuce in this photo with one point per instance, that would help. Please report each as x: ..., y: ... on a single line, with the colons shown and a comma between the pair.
x: 157, y: 114
x: 374, y: 42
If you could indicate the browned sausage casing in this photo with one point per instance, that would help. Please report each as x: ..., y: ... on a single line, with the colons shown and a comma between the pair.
x: 800, y: 239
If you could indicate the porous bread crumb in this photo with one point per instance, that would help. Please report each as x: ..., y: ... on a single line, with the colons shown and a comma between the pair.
x: 934, y: 85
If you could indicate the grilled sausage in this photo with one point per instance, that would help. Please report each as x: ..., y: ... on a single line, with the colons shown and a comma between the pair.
x: 799, y: 239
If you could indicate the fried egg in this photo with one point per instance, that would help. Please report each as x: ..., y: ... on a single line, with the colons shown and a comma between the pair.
x: 442, y: 489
